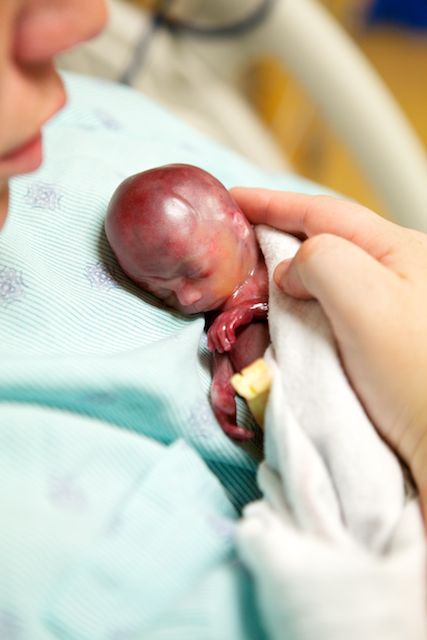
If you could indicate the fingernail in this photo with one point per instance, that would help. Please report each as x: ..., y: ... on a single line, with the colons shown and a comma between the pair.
x: 280, y: 272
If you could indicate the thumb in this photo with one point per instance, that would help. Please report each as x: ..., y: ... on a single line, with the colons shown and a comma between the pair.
x: 350, y: 284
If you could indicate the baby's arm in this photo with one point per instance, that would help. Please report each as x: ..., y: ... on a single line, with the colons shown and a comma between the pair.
x: 248, y: 303
x: 238, y: 336
x: 222, y: 333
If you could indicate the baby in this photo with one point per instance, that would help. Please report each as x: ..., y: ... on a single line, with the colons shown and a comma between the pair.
x: 177, y: 232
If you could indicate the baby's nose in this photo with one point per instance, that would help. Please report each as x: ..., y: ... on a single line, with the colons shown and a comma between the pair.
x: 187, y: 294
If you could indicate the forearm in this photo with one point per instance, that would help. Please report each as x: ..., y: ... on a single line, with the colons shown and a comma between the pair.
x: 223, y: 332
x: 258, y: 309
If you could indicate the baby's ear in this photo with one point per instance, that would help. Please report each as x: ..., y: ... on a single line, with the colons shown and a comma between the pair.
x: 241, y: 224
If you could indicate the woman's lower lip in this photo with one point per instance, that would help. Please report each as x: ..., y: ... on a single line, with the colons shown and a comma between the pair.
x: 25, y: 158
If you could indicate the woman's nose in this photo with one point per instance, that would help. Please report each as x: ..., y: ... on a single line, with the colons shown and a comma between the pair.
x: 48, y: 27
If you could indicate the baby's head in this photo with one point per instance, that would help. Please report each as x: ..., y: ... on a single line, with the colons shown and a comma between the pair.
x: 177, y: 232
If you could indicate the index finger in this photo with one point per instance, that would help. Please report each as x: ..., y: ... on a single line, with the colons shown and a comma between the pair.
x: 299, y: 213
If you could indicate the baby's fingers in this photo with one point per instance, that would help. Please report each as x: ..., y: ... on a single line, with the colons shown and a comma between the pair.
x: 212, y: 342
x: 232, y: 326
x: 231, y: 332
x: 217, y: 337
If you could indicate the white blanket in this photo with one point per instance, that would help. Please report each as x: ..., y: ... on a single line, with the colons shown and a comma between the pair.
x: 336, y: 547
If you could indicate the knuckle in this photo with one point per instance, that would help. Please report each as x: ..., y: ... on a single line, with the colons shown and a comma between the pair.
x: 325, y: 203
x: 324, y: 200
x: 314, y: 205
x: 315, y: 247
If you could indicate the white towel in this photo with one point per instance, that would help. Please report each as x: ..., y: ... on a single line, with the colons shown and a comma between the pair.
x: 325, y: 545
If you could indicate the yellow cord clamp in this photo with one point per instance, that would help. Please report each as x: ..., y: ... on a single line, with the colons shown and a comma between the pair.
x: 253, y: 384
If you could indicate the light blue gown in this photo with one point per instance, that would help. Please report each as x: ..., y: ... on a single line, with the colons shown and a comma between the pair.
x: 118, y: 489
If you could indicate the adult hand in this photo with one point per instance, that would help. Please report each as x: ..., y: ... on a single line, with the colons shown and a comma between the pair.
x: 370, y: 276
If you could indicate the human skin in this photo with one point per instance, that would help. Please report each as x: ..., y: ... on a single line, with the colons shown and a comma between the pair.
x: 178, y: 234
x: 32, y: 32
x: 370, y: 276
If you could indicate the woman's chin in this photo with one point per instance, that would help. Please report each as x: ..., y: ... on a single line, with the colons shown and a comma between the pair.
x: 4, y: 202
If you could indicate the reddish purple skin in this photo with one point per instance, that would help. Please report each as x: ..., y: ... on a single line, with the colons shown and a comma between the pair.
x: 143, y: 216
x: 249, y: 338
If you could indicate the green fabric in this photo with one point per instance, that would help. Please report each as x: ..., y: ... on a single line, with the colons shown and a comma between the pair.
x: 106, y: 534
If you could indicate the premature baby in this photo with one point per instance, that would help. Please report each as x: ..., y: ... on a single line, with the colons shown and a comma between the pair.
x: 177, y: 233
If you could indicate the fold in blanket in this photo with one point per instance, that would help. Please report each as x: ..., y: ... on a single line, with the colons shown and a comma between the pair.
x: 334, y: 493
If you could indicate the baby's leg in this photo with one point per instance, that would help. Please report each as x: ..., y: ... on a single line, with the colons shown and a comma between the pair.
x: 223, y: 398
x: 251, y: 344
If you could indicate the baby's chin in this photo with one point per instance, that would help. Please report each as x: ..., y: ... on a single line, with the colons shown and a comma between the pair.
x: 201, y: 306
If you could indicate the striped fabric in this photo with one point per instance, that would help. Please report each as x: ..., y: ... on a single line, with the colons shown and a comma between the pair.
x: 94, y: 371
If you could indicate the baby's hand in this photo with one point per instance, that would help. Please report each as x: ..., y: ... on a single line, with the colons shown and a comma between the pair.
x: 370, y: 276
x: 222, y: 333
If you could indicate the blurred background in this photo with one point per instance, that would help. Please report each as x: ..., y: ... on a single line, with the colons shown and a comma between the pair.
x: 393, y: 36
x: 211, y: 62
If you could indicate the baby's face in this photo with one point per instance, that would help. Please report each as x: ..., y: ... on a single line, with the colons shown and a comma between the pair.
x: 208, y: 273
